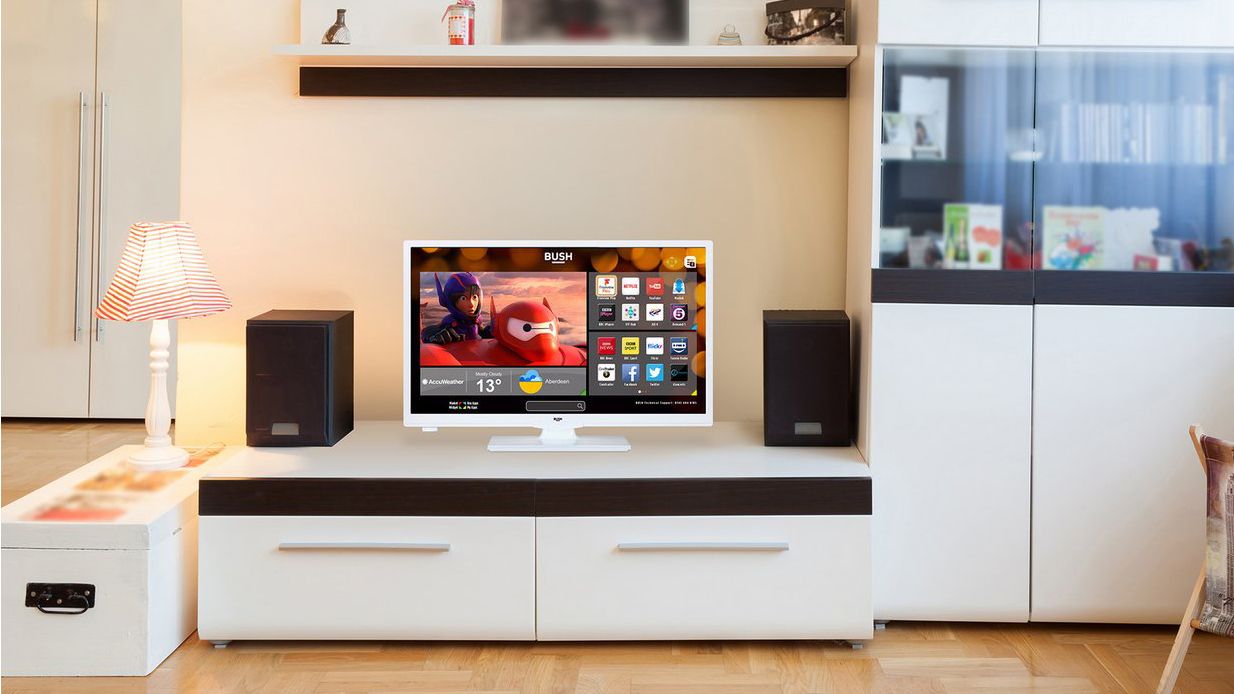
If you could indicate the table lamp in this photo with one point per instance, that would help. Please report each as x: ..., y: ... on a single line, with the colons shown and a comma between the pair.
x: 162, y: 276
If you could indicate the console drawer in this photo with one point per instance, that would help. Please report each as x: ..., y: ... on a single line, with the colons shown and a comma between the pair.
x: 372, y: 577
x: 704, y: 577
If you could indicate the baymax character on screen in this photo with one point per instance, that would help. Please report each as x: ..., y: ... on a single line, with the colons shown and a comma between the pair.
x: 524, y: 334
x: 463, y: 297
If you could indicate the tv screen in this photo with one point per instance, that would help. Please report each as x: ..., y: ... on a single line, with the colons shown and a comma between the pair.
x: 571, y: 330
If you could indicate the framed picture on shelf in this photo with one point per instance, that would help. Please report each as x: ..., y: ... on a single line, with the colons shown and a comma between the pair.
x: 595, y: 21
x: 924, y: 101
x: 897, y: 136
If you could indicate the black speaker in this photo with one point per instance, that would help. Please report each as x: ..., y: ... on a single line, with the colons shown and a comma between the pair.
x: 299, y: 378
x: 806, y: 379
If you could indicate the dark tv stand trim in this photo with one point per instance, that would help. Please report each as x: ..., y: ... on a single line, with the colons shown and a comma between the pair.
x: 802, y: 82
x: 708, y: 496
x: 1060, y: 287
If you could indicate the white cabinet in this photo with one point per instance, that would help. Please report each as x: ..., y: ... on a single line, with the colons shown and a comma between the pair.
x: 48, y: 85
x: 1118, y: 510
x: 958, y: 22
x: 703, y: 577
x: 91, y: 94
x: 950, y: 460
x: 367, y: 577
x: 1181, y: 23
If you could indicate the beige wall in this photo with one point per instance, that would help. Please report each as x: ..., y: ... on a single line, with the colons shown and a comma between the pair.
x: 303, y: 203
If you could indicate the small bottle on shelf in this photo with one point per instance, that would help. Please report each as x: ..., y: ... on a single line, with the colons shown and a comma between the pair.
x: 338, y: 34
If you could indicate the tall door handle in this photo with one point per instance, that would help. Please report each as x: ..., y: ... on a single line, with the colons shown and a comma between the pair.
x: 101, y: 255
x: 81, y: 167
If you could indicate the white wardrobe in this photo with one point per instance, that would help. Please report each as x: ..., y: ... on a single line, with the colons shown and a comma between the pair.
x: 91, y: 144
x: 1026, y: 428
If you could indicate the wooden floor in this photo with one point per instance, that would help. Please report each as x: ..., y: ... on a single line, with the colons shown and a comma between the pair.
x: 906, y: 657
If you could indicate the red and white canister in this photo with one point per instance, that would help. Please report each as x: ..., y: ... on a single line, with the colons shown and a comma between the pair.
x: 460, y: 19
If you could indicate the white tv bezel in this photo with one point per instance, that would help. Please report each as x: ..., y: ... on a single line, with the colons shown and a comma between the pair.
x: 557, y: 420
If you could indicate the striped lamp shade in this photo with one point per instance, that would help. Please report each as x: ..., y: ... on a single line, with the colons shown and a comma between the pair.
x: 162, y: 275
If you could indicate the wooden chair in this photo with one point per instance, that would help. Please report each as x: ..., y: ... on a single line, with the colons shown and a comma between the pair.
x: 1212, y: 602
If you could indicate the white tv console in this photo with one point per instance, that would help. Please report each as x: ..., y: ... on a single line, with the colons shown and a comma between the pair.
x: 400, y: 534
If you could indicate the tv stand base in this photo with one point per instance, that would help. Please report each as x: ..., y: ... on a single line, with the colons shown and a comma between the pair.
x: 558, y: 439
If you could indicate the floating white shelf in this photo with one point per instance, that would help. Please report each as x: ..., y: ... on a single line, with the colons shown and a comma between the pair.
x: 572, y: 56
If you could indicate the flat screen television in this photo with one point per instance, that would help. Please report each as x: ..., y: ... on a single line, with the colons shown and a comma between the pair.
x: 558, y: 335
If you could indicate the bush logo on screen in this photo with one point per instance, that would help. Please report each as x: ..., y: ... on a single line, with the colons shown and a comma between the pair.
x: 629, y: 373
x: 606, y: 373
x: 606, y: 345
x: 558, y: 257
x: 678, y: 372
x: 606, y: 285
x: 679, y: 312
x: 678, y: 346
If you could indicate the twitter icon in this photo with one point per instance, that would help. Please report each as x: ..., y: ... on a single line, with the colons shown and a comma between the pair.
x: 655, y: 372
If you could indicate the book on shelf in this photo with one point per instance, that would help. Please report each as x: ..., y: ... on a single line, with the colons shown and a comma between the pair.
x: 1225, y: 119
x: 973, y: 236
x: 1142, y: 133
x: 1153, y: 263
x: 1072, y: 237
x: 1180, y: 252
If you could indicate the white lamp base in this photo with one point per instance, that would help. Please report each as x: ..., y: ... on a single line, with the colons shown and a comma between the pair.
x: 159, y: 454
x: 159, y: 458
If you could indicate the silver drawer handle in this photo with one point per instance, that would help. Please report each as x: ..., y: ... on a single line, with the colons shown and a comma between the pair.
x: 702, y: 547
x: 396, y: 546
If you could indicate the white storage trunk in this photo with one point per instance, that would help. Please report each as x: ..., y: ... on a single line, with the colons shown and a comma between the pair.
x: 143, y: 565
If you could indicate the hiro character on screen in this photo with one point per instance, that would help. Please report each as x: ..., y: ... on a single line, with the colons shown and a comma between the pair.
x: 462, y: 297
x: 523, y: 333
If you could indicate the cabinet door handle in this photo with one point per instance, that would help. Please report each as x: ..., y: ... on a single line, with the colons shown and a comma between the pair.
x: 702, y: 547
x: 101, y: 262
x: 388, y: 546
x: 81, y: 166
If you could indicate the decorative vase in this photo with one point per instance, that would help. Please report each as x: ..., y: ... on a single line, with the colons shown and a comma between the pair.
x: 338, y: 34
x: 729, y: 37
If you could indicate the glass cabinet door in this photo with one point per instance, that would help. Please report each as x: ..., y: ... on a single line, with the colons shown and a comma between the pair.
x: 1137, y: 161
x: 957, y: 159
